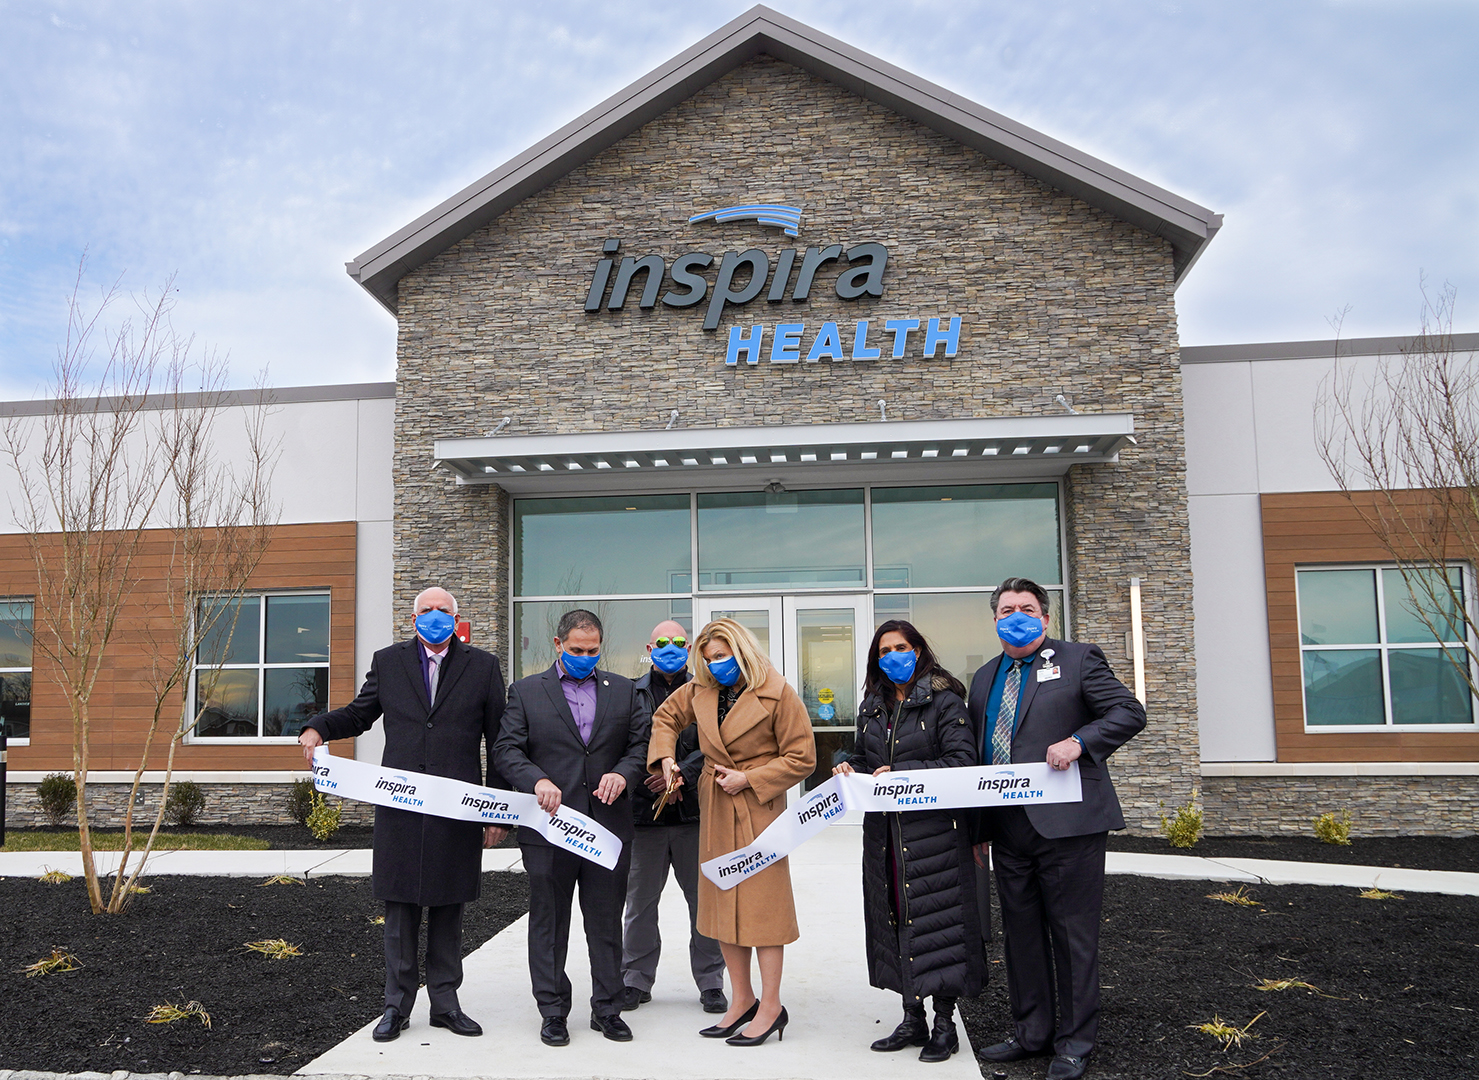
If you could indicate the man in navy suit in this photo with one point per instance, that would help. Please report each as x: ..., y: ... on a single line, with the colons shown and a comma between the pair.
x: 575, y: 735
x: 1056, y: 701
x: 441, y: 701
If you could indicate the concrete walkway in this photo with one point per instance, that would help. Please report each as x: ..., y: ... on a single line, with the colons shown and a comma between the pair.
x: 353, y: 862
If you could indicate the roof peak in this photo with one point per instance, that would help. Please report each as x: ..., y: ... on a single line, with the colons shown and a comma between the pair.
x: 1187, y: 226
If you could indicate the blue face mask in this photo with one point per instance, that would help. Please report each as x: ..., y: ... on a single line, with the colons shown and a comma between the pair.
x: 899, y: 666
x: 726, y: 672
x: 670, y: 658
x: 579, y: 667
x: 1019, y: 629
x: 435, y: 626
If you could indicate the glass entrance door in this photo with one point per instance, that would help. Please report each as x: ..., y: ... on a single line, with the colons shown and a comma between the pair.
x: 819, y: 643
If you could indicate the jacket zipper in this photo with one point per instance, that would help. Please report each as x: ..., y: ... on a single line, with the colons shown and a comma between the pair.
x: 899, y: 854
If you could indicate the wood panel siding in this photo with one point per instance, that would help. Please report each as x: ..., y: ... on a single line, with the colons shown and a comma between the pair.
x: 316, y: 556
x: 1304, y: 529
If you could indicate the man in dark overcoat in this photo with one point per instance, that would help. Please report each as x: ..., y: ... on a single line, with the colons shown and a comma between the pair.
x: 442, y: 701
x: 1043, y: 699
x: 575, y: 735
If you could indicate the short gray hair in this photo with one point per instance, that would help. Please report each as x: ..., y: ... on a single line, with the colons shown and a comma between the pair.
x: 579, y: 619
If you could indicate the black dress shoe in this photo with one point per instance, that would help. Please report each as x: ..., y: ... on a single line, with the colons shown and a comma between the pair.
x: 943, y: 1042
x: 913, y: 1030
x: 457, y: 1022
x: 391, y: 1025
x: 553, y: 1031
x: 778, y: 1029
x: 630, y: 997
x: 613, y: 1027
x: 713, y: 1001
x: 1067, y: 1067
x: 1011, y: 1050
x: 717, y: 1032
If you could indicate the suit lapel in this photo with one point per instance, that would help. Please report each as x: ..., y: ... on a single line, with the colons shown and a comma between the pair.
x: 556, y: 694
x: 706, y: 709
x: 749, y: 710
x: 1030, y: 685
x: 603, y: 701
x: 412, y: 655
x: 453, y: 666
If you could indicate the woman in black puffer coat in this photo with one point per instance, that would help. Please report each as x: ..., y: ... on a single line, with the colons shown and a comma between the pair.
x: 920, y: 910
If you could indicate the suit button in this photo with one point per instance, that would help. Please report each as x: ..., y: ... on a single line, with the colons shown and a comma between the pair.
x: 428, y: 723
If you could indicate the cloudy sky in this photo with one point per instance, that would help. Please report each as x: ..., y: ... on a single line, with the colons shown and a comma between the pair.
x: 251, y: 149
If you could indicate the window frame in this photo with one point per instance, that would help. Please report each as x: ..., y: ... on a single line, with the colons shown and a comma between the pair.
x: 261, y: 666
x: 11, y: 740
x: 1061, y: 589
x: 1384, y: 649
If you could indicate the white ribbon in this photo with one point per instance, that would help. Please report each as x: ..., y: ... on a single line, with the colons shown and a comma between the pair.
x: 922, y: 789
x: 441, y: 796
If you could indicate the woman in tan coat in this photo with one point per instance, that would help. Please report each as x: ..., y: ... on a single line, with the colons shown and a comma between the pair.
x: 756, y: 738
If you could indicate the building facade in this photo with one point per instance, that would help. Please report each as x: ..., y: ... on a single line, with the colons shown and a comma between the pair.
x: 783, y: 332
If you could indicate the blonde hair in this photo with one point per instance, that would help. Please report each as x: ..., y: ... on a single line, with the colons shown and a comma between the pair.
x: 753, y: 663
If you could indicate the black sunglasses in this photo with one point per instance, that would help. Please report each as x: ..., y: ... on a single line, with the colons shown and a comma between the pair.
x: 664, y: 642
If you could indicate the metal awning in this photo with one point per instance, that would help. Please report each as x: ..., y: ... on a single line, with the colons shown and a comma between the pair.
x: 802, y: 455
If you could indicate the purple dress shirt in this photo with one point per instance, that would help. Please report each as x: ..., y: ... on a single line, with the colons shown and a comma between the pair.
x: 580, y: 695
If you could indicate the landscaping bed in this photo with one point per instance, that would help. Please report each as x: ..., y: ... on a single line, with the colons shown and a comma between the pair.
x: 1413, y: 852
x: 184, y: 941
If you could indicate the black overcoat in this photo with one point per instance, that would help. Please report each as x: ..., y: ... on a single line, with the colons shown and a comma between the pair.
x: 935, y: 943
x: 539, y: 741
x: 420, y: 858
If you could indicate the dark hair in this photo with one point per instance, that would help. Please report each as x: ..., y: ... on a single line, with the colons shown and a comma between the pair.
x: 579, y: 619
x: 877, y: 684
x: 1020, y: 584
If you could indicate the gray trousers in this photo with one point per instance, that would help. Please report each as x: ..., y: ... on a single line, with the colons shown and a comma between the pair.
x: 443, y: 956
x: 654, y: 849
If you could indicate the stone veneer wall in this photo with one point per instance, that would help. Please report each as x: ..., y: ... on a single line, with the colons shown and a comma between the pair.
x: 225, y: 804
x: 1379, y: 805
x: 1055, y: 296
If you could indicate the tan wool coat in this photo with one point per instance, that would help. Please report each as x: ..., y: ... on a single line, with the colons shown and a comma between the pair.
x: 767, y: 735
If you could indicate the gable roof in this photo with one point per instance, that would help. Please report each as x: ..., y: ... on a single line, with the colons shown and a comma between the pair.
x: 1187, y: 226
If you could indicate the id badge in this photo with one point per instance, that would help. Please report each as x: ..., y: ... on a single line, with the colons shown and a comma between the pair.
x: 1048, y: 674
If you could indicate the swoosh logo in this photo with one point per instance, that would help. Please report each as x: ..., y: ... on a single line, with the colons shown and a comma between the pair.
x: 785, y: 218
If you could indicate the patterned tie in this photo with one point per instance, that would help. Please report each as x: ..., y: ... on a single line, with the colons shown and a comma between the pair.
x: 1006, y: 717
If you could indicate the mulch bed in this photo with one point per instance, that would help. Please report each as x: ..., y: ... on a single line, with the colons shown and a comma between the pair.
x: 182, y: 942
x: 1398, y: 996
x: 1398, y: 985
x: 1412, y: 852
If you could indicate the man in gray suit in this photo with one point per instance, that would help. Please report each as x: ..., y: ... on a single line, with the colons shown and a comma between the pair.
x: 1056, y: 701
x: 575, y: 735
x: 442, y: 701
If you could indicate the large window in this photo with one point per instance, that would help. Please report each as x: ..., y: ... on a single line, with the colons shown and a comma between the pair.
x: 262, y: 665
x: 928, y: 554
x: 1377, y: 651
x: 15, y: 668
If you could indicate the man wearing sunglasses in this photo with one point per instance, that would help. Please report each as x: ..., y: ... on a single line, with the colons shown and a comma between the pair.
x: 668, y: 839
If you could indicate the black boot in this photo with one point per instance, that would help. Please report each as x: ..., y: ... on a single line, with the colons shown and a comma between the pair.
x: 944, y: 1040
x: 912, y: 1031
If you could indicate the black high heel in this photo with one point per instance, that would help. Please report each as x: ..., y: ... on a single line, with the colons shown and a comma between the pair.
x: 778, y: 1029
x: 717, y: 1032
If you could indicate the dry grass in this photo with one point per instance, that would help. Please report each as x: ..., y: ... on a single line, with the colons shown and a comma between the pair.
x: 376, y: 920
x: 282, y: 879
x: 1229, y: 1035
x: 55, y: 877
x: 66, y: 840
x: 1380, y: 894
x: 276, y: 948
x: 1238, y: 896
x: 1285, y: 984
x: 59, y: 960
x: 168, y: 1013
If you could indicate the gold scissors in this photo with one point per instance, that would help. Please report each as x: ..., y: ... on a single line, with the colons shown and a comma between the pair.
x: 662, y: 803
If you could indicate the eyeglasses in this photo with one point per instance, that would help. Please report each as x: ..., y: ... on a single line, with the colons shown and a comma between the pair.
x: 664, y: 642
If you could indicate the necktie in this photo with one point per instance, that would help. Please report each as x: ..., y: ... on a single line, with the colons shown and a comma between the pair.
x: 1006, y: 717
x: 431, y: 677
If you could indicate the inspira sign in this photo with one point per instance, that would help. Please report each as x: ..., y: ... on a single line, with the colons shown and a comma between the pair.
x: 858, y: 270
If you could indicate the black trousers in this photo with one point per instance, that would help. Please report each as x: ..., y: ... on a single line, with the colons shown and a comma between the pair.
x: 1051, y: 893
x: 553, y: 876
x: 443, y: 956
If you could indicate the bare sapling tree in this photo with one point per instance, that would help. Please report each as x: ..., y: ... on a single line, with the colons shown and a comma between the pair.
x: 1402, y: 443
x: 118, y: 480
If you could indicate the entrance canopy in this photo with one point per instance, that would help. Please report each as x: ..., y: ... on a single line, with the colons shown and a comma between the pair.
x: 804, y: 455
